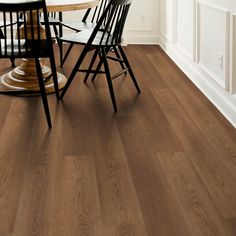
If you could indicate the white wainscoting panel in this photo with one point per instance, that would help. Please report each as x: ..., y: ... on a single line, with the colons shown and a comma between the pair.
x: 167, y: 20
x: 184, y: 27
x: 213, y: 30
x: 232, y: 83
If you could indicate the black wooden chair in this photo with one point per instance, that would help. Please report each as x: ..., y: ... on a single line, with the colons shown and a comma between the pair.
x: 89, y: 21
x: 107, y: 34
x: 23, y: 38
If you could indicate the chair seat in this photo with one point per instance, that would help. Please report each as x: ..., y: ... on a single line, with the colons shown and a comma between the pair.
x: 83, y: 36
x: 38, y: 48
x: 51, y: 20
x: 78, y: 26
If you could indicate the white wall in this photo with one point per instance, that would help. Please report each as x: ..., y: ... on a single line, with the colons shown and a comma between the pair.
x: 143, y: 22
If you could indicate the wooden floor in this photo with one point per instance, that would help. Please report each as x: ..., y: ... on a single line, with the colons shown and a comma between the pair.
x: 165, y: 164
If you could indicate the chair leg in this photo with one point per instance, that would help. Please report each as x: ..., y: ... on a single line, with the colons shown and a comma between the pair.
x: 60, y: 45
x: 43, y: 92
x: 99, y: 65
x: 60, y: 26
x: 62, y: 60
x: 91, y: 64
x: 59, y: 42
x: 98, y: 68
x: 13, y: 62
x: 74, y: 71
x: 54, y: 75
x: 119, y: 57
x: 60, y: 35
x: 108, y: 77
x: 129, y: 67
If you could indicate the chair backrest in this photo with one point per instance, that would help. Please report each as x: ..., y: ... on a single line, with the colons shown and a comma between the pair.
x: 93, y: 14
x: 53, y: 17
x: 110, y: 25
x: 22, y: 33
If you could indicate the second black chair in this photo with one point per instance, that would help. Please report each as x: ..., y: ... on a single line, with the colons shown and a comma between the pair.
x: 89, y: 21
x: 106, y: 35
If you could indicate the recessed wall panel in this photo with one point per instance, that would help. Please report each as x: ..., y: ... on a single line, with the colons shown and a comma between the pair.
x: 212, y: 44
x: 166, y: 19
x: 185, y: 26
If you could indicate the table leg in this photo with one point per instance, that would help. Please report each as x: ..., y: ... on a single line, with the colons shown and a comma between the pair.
x: 24, y: 77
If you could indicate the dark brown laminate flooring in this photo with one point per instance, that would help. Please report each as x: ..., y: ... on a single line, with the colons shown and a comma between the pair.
x: 165, y: 164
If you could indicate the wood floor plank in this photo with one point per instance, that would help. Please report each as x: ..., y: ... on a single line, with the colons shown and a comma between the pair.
x: 77, y: 201
x: 218, y: 180
x: 11, y: 164
x: 118, y: 197
x: 188, y: 133
x: 160, y: 210
x: 32, y: 211
x: 162, y: 136
x: 208, y: 122
x: 231, y: 223
x: 6, y: 104
x: 145, y: 70
x: 197, y: 207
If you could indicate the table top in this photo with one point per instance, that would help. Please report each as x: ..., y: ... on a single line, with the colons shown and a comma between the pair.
x: 70, y: 5
x: 63, y: 5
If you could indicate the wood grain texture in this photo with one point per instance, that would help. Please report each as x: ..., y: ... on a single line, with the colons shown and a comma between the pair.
x: 70, y: 5
x: 163, y: 165
x: 199, y: 214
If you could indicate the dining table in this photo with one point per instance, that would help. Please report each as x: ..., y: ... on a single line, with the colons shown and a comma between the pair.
x: 24, y: 77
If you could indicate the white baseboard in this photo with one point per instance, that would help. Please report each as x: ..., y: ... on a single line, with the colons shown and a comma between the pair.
x: 222, y: 100
x: 131, y: 38
x: 141, y: 36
